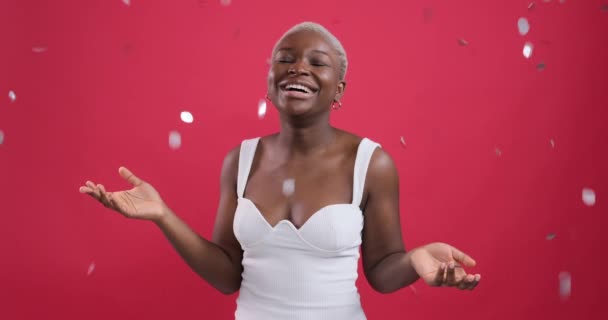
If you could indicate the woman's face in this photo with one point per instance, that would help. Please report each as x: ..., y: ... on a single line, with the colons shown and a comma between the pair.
x: 304, y: 77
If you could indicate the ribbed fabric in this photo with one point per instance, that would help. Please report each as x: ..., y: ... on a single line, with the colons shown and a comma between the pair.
x: 306, y: 273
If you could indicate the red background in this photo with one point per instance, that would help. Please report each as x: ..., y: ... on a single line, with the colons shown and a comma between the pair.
x: 478, y: 170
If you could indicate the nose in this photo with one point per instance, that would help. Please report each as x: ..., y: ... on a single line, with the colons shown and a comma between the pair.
x: 298, y: 67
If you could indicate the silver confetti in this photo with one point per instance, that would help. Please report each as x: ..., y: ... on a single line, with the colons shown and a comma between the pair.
x: 565, y: 284
x: 126, y: 2
x: 540, y: 66
x: 528, y: 47
x: 1, y: 137
x: 552, y: 142
x: 289, y: 186
x: 186, y: 117
x: 402, y: 139
x: 551, y: 236
x: 523, y: 26
x: 225, y: 2
x: 12, y: 96
x: 588, y: 197
x: 39, y: 49
x: 498, y: 152
x: 175, y: 140
x: 463, y: 42
x: 262, y: 108
x: 91, y: 269
x: 531, y: 6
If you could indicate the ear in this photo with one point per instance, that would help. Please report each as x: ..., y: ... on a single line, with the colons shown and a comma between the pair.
x: 340, y: 90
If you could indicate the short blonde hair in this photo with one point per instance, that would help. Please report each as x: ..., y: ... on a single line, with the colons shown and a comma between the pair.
x: 315, y: 27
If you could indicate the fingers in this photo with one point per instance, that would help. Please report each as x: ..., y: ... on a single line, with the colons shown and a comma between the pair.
x: 463, y: 258
x: 104, y: 196
x: 451, y: 274
x: 440, y: 276
x: 129, y: 176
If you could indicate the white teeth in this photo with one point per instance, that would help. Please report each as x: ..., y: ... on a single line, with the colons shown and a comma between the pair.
x: 297, y: 86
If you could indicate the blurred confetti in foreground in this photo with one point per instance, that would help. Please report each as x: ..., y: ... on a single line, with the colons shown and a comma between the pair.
x: 225, y: 2
x: 498, y: 152
x: 552, y: 142
x: 540, y: 66
x: 126, y: 2
x: 565, y: 285
x: 528, y: 47
x: 523, y: 26
x: 427, y: 13
x: 604, y: 7
x: 289, y: 186
x: 402, y: 139
x: 531, y: 6
x: 39, y: 49
x: 12, y: 96
x: 262, y: 108
x: 463, y: 42
x: 588, y: 197
x: 1, y: 137
x: 551, y: 236
x: 91, y: 268
x: 186, y: 117
x: 175, y: 140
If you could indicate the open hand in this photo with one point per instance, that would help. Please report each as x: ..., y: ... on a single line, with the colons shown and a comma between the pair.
x: 141, y: 202
x: 440, y: 265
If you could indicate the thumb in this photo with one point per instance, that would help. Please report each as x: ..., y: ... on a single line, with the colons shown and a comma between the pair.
x: 463, y: 258
x: 129, y: 176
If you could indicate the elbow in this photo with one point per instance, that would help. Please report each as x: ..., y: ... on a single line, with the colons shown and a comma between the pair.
x: 382, y: 288
x: 229, y: 290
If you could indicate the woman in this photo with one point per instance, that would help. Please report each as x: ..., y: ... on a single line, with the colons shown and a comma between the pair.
x: 296, y: 206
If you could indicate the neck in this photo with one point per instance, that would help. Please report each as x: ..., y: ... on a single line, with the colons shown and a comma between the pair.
x: 299, y: 139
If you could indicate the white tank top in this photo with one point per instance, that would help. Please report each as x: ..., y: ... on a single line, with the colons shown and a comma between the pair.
x: 306, y: 273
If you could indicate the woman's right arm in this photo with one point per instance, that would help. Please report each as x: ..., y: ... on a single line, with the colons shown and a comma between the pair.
x: 218, y: 261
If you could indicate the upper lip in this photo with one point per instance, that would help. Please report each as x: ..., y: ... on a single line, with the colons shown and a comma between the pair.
x: 308, y: 85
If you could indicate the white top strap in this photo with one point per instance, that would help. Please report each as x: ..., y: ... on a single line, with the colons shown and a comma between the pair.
x: 364, y: 155
x: 246, y: 155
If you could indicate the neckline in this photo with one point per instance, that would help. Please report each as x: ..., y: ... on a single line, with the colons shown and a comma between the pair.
x: 288, y: 222
x: 241, y: 195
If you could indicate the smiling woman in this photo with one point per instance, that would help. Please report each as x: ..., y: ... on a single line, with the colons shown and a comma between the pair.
x: 294, y: 255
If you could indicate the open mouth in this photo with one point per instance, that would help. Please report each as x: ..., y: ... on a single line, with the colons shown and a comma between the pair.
x: 300, y: 88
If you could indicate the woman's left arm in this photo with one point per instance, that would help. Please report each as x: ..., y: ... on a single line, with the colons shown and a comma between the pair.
x: 386, y: 264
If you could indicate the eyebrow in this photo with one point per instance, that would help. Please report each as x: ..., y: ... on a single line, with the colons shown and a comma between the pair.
x: 315, y: 50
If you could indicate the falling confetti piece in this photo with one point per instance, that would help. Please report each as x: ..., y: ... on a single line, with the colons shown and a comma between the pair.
x: 528, y: 50
x: 175, y: 140
x: 225, y: 2
x: 1, y: 137
x: 427, y: 13
x: 523, y: 26
x: 12, y: 96
x: 552, y: 143
x: 39, y: 49
x: 414, y: 289
x: 262, y: 108
x: 186, y: 117
x: 402, y: 139
x: 565, y: 284
x: 91, y: 269
x: 498, y: 152
x: 588, y: 197
x: 562, y: 1
x: 604, y: 7
x: 289, y: 186
x: 531, y: 6
x: 126, y: 2
x: 540, y: 66
x: 463, y: 42
x: 551, y: 236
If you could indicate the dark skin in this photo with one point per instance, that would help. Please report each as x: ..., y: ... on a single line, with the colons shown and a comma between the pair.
x: 321, y: 160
